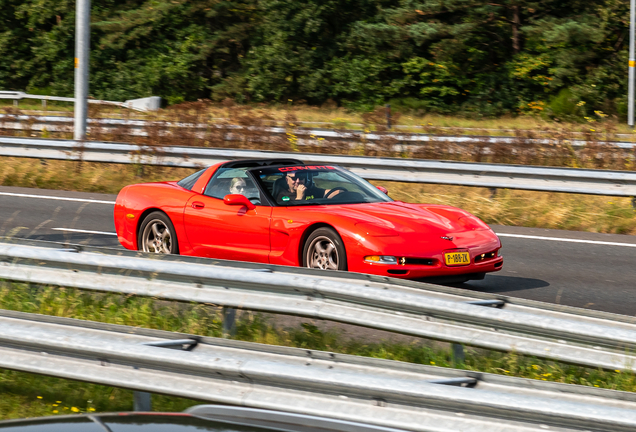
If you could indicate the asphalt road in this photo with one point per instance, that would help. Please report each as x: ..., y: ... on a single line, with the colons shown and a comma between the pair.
x: 596, y: 271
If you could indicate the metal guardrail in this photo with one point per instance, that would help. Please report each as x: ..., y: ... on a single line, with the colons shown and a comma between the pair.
x: 570, y: 335
x: 345, y: 126
x: 511, y: 303
x: 138, y: 128
x: 152, y: 103
x: 373, y: 391
x: 570, y: 180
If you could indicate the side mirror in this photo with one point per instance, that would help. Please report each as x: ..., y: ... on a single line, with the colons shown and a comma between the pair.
x: 383, y: 189
x: 238, y: 199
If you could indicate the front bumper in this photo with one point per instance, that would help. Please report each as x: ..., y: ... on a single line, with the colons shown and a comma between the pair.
x: 436, y: 270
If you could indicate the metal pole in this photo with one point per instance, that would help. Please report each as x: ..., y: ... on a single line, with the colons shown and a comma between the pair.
x: 229, y: 322
x: 459, y: 357
x: 632, y: 64
x: 142, y: 401
x: 388, y: 116
x: 82, y: 39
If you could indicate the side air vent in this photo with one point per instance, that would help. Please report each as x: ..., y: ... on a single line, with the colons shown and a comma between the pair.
x: 417, y: 261
x: 397, y: 272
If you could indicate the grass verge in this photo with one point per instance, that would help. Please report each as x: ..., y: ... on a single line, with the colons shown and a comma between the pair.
x: 507, y: 207
x: 28, y: 395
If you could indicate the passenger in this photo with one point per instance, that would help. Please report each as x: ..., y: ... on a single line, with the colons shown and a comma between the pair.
x: 298, y: 190
x: 238, y: 186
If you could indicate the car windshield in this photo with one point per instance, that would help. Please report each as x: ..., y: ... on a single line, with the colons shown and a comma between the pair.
x: 316, y: 185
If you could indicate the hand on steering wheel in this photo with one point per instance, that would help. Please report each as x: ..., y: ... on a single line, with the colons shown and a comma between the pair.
x: 330, y: 195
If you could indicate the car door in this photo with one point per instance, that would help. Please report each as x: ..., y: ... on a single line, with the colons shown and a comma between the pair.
x: 218, y: 230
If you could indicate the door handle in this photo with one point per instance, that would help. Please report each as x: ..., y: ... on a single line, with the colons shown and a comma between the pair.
x: 198, y: 205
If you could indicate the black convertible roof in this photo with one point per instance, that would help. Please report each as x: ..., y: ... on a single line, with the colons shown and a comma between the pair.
x: 253, y: 163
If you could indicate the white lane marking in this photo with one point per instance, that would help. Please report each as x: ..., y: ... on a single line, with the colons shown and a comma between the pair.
x: 57, y: 198
x: 567, y: 240
x: 84, y: 231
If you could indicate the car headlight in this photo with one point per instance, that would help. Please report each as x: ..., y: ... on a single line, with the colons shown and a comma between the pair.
x: 381, y: 259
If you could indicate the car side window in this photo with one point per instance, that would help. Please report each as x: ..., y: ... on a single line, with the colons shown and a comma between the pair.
x: 232, y: 181
x: 189, y: 181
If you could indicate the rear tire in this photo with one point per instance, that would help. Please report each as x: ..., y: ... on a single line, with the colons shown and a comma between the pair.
x: 157, y: 235
x: 324, y: 250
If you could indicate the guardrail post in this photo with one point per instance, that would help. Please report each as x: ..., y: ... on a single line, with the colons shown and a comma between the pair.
x: 388, y: 116
x: 229, y: 322
x: 459, y: 357
x: 142, y: 401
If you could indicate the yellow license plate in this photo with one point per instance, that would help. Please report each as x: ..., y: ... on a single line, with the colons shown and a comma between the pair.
x: 457, y: 258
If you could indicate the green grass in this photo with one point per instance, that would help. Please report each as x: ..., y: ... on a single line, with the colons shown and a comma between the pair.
x: 27, y: 395
x: 20, y: 392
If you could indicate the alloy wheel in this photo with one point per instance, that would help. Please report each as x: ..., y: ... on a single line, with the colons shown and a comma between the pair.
x: 322, y: 254
x: 156, y: 238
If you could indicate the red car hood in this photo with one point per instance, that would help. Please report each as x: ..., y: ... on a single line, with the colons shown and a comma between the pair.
x: 416, y: 223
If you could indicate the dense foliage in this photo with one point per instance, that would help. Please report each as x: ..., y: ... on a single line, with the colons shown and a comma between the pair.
x: 559, y: 57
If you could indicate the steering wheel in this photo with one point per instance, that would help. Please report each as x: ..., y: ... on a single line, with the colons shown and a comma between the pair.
x: 339, y: 188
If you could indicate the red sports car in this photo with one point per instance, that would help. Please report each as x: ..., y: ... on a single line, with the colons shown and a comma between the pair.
x: 285, y: 212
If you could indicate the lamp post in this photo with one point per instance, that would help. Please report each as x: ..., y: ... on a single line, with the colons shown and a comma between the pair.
x: 632, y: 65
x: 82, y: 39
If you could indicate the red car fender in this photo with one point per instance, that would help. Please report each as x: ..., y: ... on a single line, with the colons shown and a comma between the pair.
x: 123, y: 226
x: 291, y: 226
x: 136, y: 201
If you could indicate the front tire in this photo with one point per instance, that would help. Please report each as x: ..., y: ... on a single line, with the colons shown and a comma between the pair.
x: 157, y: 235
x: 324, y: 250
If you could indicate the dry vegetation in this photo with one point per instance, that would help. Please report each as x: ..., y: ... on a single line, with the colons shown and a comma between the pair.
x: 203, y: 124
x: 506, y: 207
x: 331, y: 116
x: 84, y: 177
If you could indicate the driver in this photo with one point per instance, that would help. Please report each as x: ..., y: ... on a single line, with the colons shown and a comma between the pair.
x: 298, y: 190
